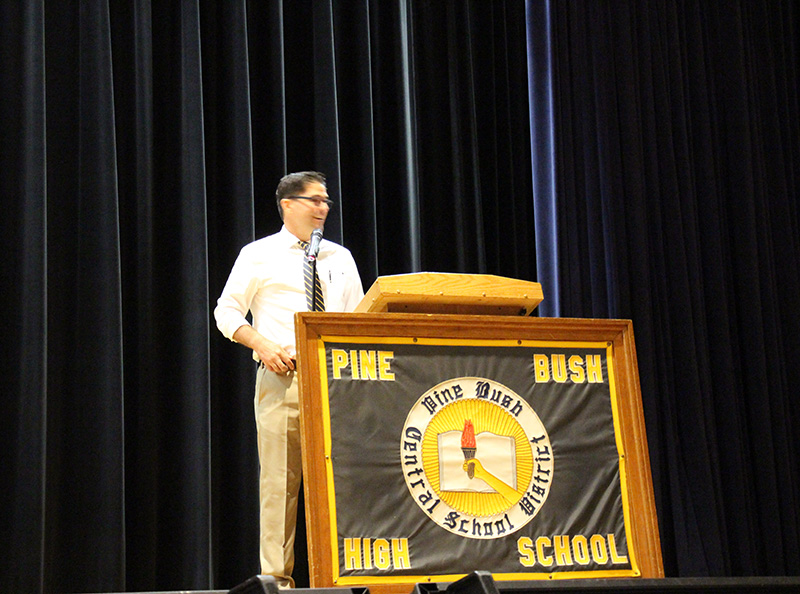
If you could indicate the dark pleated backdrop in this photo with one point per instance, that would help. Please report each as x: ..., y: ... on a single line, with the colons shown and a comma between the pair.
x: 639, y: 159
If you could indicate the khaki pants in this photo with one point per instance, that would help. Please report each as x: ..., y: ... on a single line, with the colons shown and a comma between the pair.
x: 278, y: 425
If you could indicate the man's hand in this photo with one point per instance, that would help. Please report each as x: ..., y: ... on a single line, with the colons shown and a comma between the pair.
x: 272, y: 355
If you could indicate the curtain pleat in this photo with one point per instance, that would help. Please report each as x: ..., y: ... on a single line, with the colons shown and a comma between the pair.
x: 85, y: 399
x: 229, y: 158
x: 543, y: 162
x: 355, y: 102
x: 23, y: 366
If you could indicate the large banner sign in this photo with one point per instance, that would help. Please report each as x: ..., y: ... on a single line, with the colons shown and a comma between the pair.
x: 446, y: 456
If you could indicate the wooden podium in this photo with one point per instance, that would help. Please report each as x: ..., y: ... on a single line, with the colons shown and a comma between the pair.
x: 440, y: 293
x: 445, y: 431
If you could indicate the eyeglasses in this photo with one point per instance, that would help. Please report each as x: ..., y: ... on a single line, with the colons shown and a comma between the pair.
x: 317, y: 201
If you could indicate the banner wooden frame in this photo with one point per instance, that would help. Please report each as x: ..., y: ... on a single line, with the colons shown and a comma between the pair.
x: 311, y: 328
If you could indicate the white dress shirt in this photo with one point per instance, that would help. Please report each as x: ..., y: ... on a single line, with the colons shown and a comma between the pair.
x: 267, y: 280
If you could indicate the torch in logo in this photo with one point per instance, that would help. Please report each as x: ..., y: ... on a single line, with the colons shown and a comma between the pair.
x: 468, y: 446
x: 475, y: 469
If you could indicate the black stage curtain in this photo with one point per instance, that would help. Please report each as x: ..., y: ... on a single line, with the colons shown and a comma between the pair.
x: 676, y: 166
x: 141, y: 143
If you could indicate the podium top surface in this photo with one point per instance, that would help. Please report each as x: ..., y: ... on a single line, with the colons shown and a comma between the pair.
x: 448, y: 293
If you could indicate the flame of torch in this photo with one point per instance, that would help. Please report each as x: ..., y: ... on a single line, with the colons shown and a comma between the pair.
x: 468, y: 445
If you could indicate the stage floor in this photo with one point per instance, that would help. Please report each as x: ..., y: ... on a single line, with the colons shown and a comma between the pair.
x: 748, y: 585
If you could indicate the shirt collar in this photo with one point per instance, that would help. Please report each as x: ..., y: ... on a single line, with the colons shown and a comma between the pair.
x: 287, y: 237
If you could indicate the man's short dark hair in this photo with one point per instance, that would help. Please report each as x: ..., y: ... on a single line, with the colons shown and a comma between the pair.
x: 294, y: 183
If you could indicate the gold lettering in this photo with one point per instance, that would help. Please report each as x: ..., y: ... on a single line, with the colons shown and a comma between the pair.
x: 541, y: 368
x: 598, y: 547
x: 400, y: 553
x: 564, y: 550
x: 383, y: 558
x: 561, y: 550
x: 560, y: 368
x: 367, y: 553
x: 352, y: 553
x: 338, y: 362
x: 580, y: 548
x: 544, y: 559
x: 364, y: 365
x: 368, y: 368
x: 615, y: 556
x: 525, y: 550
x: 594, y: 369
x: 384, y: 366
x: 576, y: 369
x: 380, y: 553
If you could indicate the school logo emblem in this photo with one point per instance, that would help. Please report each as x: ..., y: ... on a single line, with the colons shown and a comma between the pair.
x: 476, y: 458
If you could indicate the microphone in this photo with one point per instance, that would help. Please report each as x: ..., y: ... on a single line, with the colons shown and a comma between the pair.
x: 313, y: 245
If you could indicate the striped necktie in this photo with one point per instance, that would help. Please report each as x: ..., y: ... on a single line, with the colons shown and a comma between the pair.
x: 314, y: 298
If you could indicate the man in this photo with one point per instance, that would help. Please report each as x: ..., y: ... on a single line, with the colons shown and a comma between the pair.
x: 267, y: 280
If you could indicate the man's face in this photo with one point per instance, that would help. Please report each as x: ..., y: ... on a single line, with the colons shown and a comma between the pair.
x: 306, y: 211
